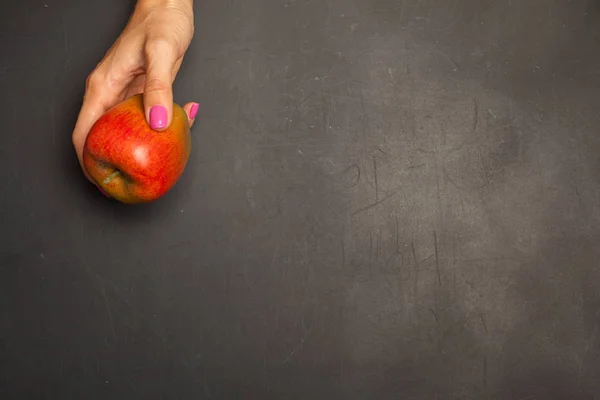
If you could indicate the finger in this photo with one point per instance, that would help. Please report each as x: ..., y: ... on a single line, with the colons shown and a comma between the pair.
x: 176, y: 68
x: 137, y: 85
x: 158, y: 91
x: 191, y: 110
x: 96, y: 101
x: 105, y: 87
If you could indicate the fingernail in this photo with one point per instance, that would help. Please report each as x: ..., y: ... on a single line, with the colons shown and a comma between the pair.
x: 102, y: 191
x: 158, y: 117
x: 194, y: 110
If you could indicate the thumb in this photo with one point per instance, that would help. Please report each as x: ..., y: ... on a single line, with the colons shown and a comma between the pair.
x: 158, y: 91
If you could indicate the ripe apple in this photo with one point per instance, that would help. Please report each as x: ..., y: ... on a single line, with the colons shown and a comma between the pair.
x: 128, y: 160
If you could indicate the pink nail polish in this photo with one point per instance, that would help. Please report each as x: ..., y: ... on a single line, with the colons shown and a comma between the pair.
x: 158, y: 117
x: 194, y: 110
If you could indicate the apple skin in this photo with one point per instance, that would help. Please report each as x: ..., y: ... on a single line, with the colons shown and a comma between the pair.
x: 128, y: 160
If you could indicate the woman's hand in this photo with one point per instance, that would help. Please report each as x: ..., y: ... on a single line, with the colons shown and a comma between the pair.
x: 144, y: 59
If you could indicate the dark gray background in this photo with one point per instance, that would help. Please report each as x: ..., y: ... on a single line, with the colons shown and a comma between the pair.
x: 386, y: 200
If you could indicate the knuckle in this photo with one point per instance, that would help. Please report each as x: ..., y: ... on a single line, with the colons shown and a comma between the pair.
x: 160, y: 46
x: 93, y: 82
x: 155, y: 84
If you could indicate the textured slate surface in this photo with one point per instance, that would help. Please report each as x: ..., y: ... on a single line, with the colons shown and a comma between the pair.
x: 386, y: 200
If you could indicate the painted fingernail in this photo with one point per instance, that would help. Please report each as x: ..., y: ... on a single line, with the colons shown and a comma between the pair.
x: 102, y: 191
x: 194, y: 110
x: 158, y: 117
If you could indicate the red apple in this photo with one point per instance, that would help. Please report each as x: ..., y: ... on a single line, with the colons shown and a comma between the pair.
x: 131, y: 162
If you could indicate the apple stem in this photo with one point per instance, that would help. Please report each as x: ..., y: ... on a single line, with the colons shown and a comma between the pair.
x: 109, y: 178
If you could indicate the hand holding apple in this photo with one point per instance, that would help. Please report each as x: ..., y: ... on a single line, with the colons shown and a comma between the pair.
x: 130, y: 161
x: 144, y: 60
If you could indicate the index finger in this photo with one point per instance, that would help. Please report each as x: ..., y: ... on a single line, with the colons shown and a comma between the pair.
x: 96, y: 102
